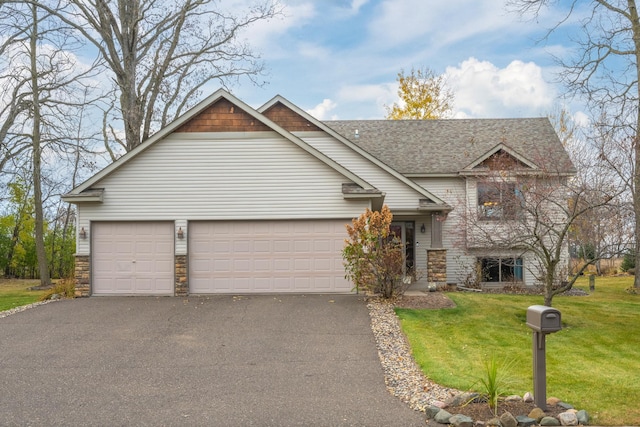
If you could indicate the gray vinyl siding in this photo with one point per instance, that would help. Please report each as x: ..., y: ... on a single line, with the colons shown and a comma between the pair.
x: 461, y: 194
x: 460, y: 264
x: 192, y: 177
x: 398, y: 195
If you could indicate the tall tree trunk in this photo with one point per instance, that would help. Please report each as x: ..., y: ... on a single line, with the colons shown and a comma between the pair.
x: 12, y: 246
x: 635, y: 26
x: 43, y: 267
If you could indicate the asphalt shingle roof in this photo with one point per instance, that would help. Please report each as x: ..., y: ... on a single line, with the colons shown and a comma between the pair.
x: 424, y: 147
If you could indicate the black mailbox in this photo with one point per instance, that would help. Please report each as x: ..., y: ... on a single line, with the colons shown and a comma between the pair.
x: 544, y: 319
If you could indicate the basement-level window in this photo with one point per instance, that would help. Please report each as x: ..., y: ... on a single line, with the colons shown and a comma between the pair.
x: 501, y: 269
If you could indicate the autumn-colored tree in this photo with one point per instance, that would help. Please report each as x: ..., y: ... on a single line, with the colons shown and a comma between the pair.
x: 373, y: 257
x: 423, y: 96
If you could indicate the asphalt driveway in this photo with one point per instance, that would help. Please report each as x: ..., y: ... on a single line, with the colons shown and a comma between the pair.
x: 219, y: 361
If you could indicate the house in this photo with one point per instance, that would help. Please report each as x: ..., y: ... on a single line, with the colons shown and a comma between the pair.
x: 232, y: 199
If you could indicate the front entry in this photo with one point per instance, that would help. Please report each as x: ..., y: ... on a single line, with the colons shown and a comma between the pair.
x: 405, y: 231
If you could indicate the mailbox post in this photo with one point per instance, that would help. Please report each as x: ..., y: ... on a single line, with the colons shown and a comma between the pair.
x: 543, y: 320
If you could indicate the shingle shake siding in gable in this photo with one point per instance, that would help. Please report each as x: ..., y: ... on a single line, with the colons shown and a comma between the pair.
x: 433, y: 147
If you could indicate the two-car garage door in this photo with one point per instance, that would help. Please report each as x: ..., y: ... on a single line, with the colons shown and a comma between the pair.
x: 130, y: 258
x: 266, y: 256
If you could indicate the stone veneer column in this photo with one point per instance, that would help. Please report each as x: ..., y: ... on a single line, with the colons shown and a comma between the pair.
x: 437, y: 266
x: 82, y: 275
x: 181, y: 285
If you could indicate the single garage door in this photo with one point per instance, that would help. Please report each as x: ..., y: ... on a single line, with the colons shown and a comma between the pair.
x: 267, y: 256
x: 132, y: 258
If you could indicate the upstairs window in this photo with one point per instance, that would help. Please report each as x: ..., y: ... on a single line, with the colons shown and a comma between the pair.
x: 498, y: 200
x: 501, y: 270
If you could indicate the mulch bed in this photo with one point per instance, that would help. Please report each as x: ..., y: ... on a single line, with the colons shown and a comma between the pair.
x: 482, y: 411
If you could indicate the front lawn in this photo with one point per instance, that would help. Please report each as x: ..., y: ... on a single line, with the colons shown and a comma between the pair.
x: 14, y: 293
x: 593, y: 363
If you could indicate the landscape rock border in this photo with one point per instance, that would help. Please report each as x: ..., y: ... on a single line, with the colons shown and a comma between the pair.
x: 18, y: 309
x: 405, y: 380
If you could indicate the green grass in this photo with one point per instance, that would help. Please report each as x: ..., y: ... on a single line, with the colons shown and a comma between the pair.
x: 14, y: 293
x: 593, y: 363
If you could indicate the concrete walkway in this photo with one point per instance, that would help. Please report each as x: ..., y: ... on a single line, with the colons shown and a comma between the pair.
x: 223, y: 361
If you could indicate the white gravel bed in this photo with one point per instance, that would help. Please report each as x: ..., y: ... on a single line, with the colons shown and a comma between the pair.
x: 403, y: 377
x: 23, y: 308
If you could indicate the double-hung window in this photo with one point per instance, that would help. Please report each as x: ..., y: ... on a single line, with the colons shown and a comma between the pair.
x: 498, y: 200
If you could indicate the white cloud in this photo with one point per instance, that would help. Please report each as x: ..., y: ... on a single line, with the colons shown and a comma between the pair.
x: 357, y: 4
x: 435, y: 23
x: 378, y: 95
x: 263, y: 35
x: 321, y: 110
x: 581, y: 119
x: 484, y: 90
x: 313, y: 51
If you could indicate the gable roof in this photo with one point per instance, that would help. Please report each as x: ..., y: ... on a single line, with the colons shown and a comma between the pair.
x: 182, y: 123
x: 446, y: 147
x: 310, y: 123
x: 503, y: 151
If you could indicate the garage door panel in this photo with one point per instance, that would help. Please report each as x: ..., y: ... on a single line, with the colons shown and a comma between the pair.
x: 267, y: 256
x: 132, y: 258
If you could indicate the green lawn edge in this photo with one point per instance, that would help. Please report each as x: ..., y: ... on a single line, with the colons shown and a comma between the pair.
x: 592, y: 363
x: 16, y: 293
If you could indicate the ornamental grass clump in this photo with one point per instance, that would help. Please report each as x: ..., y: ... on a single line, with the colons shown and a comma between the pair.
x: 495, y: 381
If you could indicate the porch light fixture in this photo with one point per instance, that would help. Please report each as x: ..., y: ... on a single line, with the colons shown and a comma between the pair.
x: 180, y: 233
x: 423, y: 229
x: 83, y: 233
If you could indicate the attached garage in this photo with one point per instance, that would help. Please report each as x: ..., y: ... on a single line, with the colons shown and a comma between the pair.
x: 228, y: 199
x: 267, y: 256
x: 133, y: 258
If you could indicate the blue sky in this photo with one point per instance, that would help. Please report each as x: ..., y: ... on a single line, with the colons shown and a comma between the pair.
x: 338, y: 59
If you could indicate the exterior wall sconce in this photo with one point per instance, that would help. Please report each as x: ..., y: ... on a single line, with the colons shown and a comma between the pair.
x: 180, y: 233
x: 83, y: 233
x: 423, y: 229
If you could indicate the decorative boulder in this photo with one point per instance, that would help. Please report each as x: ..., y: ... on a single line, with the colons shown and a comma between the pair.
x: 553, y: 401
x: 507, y: 420
x: 549, y: 421
x: 462, y: 399
x: 442, y: 417
x: 583, y: 417
x: 513, y: 398
x: 524, y: 421
x: 431, y: 411
x: 528, y: 397
x: 568, y: 419
x: 461, y: 421
x: 537, y: 414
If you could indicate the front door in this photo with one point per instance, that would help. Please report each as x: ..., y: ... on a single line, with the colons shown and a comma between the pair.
x: 405, y: 231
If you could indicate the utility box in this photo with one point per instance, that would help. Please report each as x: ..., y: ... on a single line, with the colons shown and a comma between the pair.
x: 544, y: 319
